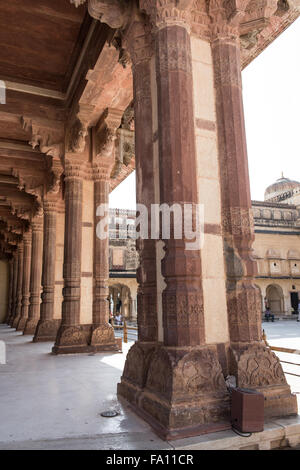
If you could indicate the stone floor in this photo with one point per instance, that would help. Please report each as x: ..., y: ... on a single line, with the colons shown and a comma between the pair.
x: 286, y: 334
x: 54, y: 402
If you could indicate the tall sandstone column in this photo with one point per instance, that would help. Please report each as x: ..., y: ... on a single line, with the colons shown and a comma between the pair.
x: 18, y: 307
x: 26, y: 280
x: 140, y: 44
x: 70, y: 338
x: 254, y: 365
x: 15, y: 287
x: 184, y: 391
x: 11, y: 288
x: 102, y: 335
x: 47, y: 327
x: 35, y: 275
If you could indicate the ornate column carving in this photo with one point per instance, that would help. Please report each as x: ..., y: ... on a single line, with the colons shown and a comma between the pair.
x: 26, y: 280
x: 70, y: 335
x: 243, y: 298
x: 139, y: 42
x: 168, y: 390
x: 10, y: 290
x: 35, y: 275
x: 15, y: 287
x: 47, y: 327
x: 18, y: 307
x: 104, y: 137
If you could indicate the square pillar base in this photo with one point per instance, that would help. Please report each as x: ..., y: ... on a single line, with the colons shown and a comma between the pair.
x: 184, y: 393
x: 46, y: 330
x: 257, y: 367
x: 85, y: 339
x: 22, y: 323
x: 30, y: 327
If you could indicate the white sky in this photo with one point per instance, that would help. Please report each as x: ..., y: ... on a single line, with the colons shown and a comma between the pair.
x: 271, y: 85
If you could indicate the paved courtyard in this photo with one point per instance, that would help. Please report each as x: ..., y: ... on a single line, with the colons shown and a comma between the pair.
x: 286, y: 334
x: 55, y: 401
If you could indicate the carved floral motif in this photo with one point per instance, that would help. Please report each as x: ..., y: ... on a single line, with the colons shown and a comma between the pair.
x: 187, y: 374
x: 258, y: 366
x: 168, y: 12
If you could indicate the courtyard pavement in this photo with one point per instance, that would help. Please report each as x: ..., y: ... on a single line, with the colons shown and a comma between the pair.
x: 286, y: 334
x: 55, y: 402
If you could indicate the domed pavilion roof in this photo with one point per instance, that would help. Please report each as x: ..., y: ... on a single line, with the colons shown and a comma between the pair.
x: 281, y: 186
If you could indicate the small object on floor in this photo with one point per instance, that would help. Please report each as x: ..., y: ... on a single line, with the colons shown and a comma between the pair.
x: 247, y: 410
x: 109, y: 414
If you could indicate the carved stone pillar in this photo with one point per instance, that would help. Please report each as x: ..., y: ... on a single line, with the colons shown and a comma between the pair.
x: 26, y: 280
x: 70, y: 337
x: 252, y: 363
x: 18, y: 307
x: 15, y: 287
x: 184, y: 391
x: 140, y: 44
x: 10, y: 290
x: 102, y: 336
x: 35, y: 275
x: 47, y: 327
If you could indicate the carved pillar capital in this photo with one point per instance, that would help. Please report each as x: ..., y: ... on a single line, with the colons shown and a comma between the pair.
x: 55, y: 171
x: 74, y: 168
x: 138, y: 39
x: 50, y: 205
x: 37, y: 223
x: 104, y: 141
x: 27, y: 237
x: 76, y: 133
x: 165, y: 13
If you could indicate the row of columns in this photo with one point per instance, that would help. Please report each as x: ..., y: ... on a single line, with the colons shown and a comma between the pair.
x: 35, y: 306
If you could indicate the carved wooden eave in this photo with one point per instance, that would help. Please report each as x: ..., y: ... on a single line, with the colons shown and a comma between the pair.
x: 255, y: 42
x: 15, y: 224
x: 21, y: 204
x: 125, y: 154
x: 109, y: 85
x: 33, y: 184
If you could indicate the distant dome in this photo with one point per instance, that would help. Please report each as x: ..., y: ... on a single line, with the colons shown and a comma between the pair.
x: 281, y: 187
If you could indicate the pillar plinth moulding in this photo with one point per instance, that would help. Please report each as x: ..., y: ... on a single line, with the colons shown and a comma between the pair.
x: 35, y: 275
x: 70, y: 337
x: 15, y: 287
x: 47, y: 327
x: 254, y: 365
x: 184, y: 391
x: 104, y: 136
x: 26, y: 280
x: 18, y: 307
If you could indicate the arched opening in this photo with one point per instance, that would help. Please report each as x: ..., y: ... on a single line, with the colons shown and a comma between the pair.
x: 121, y: 301
x: 275, y: 299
